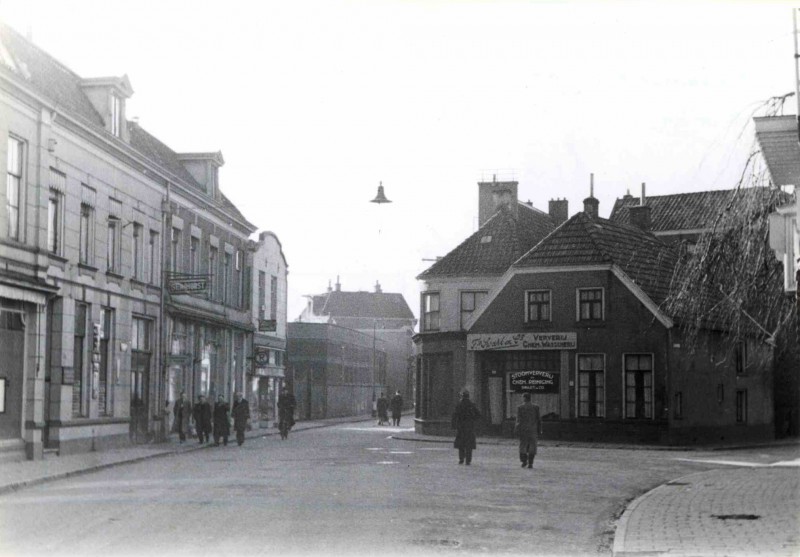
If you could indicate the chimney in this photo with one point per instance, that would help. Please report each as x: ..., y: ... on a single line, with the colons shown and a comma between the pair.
x: 338, y: 284
x: 493, y: 195
x: 558, y: 210
x: 330, y: 289
x: 640, y: 214
x: 378, y: 287
x: 591, y: 204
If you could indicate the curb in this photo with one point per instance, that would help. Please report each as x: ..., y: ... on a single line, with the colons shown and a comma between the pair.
x: 17, y: 486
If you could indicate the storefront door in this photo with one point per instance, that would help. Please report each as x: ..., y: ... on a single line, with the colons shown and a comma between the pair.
x: 12, y: 339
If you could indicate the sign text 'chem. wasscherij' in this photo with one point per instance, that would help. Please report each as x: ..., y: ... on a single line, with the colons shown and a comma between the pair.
x: 523, y: 341
x: 543, y: 382
x: 188, y: 284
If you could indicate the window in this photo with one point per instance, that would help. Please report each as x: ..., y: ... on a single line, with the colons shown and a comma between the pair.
x: 720, y: 393
x: 175, y: 256
x: 537, y: 305
x: 678, y: 409
x: 212, y: 270
x: 430, y: 312
x: 741, y: 358
x: 13, y: 186
x: 239, y: 280
x: 85, y: 235
x: 105, y: 393
x: 590, y: 304
x: 591, y: 386
x: 153, y: 278
x: 138, y: 252
x: 262, y: 294
x: 741, y: 406
x: 113, y: 241
x: 194, y: 255
x: 141, y: 340
x: 116, y: 114
x: 273, y: 298
x: 226, y: 278
x: 78, y: 359
x: 638, y: 386
x: 469, y: 302
x: 54, y: 222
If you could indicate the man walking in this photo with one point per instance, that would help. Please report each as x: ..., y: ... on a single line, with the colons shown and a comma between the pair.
x: 183, y: 413
x: 202, y: 419
x: 241, y: 415
x: 222, y: 425
x: 397, y: 408
x: 528, y: 428
x: 464, y: 419
x: 286, y: 406
x: 383, y: 407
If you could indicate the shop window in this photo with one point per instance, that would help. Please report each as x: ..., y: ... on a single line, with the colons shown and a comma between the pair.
x: 537, y: 306
x: 430, y: 311
x: 591, y: 386
x: 639, y: 386
x: 437, y: 388
x: 469, y: 302
x: 590, y: 304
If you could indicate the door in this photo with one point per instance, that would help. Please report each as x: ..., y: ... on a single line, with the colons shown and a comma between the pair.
x: 140, y: 379
x: 12, y: 339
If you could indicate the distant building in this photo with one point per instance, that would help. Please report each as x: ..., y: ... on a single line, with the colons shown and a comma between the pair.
x: 333, y: 370
x: 385, y: 315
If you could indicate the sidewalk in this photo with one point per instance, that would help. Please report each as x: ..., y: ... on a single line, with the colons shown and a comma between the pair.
x: 24, y: 473
x: 730, y: 512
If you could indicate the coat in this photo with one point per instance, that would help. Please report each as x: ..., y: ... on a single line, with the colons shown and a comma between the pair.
x: 202, y: 416
x: 464, y: 418
x: 383, y: 405
x: 286, y: 406
x: 183, y: 413
x: 397, y: 406
x: 241, y: 414
x: 529, y: 425
x: 222, y: 424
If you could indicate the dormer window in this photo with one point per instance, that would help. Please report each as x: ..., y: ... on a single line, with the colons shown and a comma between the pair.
x: 116, y: 114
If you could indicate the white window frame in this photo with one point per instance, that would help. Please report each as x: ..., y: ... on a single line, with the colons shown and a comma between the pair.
x: 461, y: 305
x: 18, y: 182
x: 86, y: 234
x: 549, y: 302
x: 578, y: 302
x: 652, y: 385
x: 423, y: 313
x: 55, y: 228
x: 578, y: 390
x: 116, y: 115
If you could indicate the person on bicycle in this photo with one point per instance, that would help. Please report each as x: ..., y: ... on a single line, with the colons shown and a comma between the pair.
x: 286, y: 406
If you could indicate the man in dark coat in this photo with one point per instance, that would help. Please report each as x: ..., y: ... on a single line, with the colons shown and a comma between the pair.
x: 464, y: 419
x: 202, y: 419
x: 222, y: 425
x: 383, y: 410
x: 528, y: 429
x: 183, y: 414
x: 397, y: 408
x: 286, y: 405
x: 241, y: 415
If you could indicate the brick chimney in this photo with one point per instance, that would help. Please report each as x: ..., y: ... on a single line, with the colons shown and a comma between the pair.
x: 640, y: 214
x: 338, y: 284
x: 493, y: 195
x: 558, y: 210
x: 378, y: 287
x: 591, y: 204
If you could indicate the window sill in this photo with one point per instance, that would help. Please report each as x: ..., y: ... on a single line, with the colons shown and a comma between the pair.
x: 56, y: 257
x: 88, y: 268
x: 116, y: 278
x: 139, y: 284
x: 589, y: 323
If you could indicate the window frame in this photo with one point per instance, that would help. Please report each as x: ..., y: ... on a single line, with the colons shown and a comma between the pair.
x: 741, y: 355
x: 578, y: 386
x: 425, y: 319
x: 741, y: 406
x: 15, y: 178
x: 116, y: 114
x: 85, y: 234
x: 578, y: 303
x: 475, y: 304
x: 528, y: 305
x: 55, y: 222
x: 153, y: 256
x: 652, y: 387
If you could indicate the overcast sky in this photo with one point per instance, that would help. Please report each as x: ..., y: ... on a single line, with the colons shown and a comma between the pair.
x: 313, y: 103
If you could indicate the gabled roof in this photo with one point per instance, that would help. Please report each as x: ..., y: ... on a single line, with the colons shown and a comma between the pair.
x: 582, y: 241
x: 376, y: 305
x: 501, y: 240
x: 685, y: 211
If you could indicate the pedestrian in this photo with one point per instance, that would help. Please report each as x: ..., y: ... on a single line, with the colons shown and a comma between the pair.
x: 528, y: 428
x: 222, y: 425
x: 241, y: 416
x: 202, y: 419
x: 383, y: 410
x: 286, y: 405
x: 464, y: 419
x: 183, y: 415
x: 397, y: 408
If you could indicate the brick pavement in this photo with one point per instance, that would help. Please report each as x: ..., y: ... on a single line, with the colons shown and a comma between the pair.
x: 723, y: 512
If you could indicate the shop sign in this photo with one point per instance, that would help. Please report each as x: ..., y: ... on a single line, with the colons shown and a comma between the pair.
x: 261, y: 356
x: 523, y: 341
x: 267, y: 325
x: 187, y: 284
x: 540, y: 382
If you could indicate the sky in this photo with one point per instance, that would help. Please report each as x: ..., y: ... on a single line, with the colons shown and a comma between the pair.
x: 314, y: 103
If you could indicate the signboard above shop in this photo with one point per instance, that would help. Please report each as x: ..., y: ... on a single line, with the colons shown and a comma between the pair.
x: 267, y: 325
x: 523, y: 341
x: 187, y: 284
x: 540, y: 382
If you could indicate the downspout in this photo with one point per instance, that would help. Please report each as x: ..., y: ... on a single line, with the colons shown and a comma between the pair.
x: 166, y: 225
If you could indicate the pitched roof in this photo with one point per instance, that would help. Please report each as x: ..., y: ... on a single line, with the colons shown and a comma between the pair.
x: 581, y: 240
x: 378, y: 305
x: 686, y: 211
x: 777, y: 136
x: 501, y: 240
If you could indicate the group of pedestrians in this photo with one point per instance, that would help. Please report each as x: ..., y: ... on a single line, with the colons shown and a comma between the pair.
x: 207, y: 421
x: 528, y: 428
x: 384, y: 404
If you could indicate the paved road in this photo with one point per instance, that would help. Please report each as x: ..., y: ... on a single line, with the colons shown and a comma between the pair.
x: 348, y: 489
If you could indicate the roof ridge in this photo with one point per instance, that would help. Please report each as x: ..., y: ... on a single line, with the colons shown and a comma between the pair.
x: 589, y: 226
x: 8, y: 26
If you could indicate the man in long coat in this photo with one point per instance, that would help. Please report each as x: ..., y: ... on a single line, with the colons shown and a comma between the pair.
x: 222, y: 425
x: 286, y: 405
x: 464, y: 419
x: 183, y: 413
x: 528, y: 428
x: 397, y: 408
x: 382, y: 407
x: 202, y: 419
x: 241, y: 415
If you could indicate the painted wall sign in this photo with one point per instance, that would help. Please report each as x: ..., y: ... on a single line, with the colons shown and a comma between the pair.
x: 523, y: 341
x: 187, y: 284
x: 541, y: 382
x: 267, y: 325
